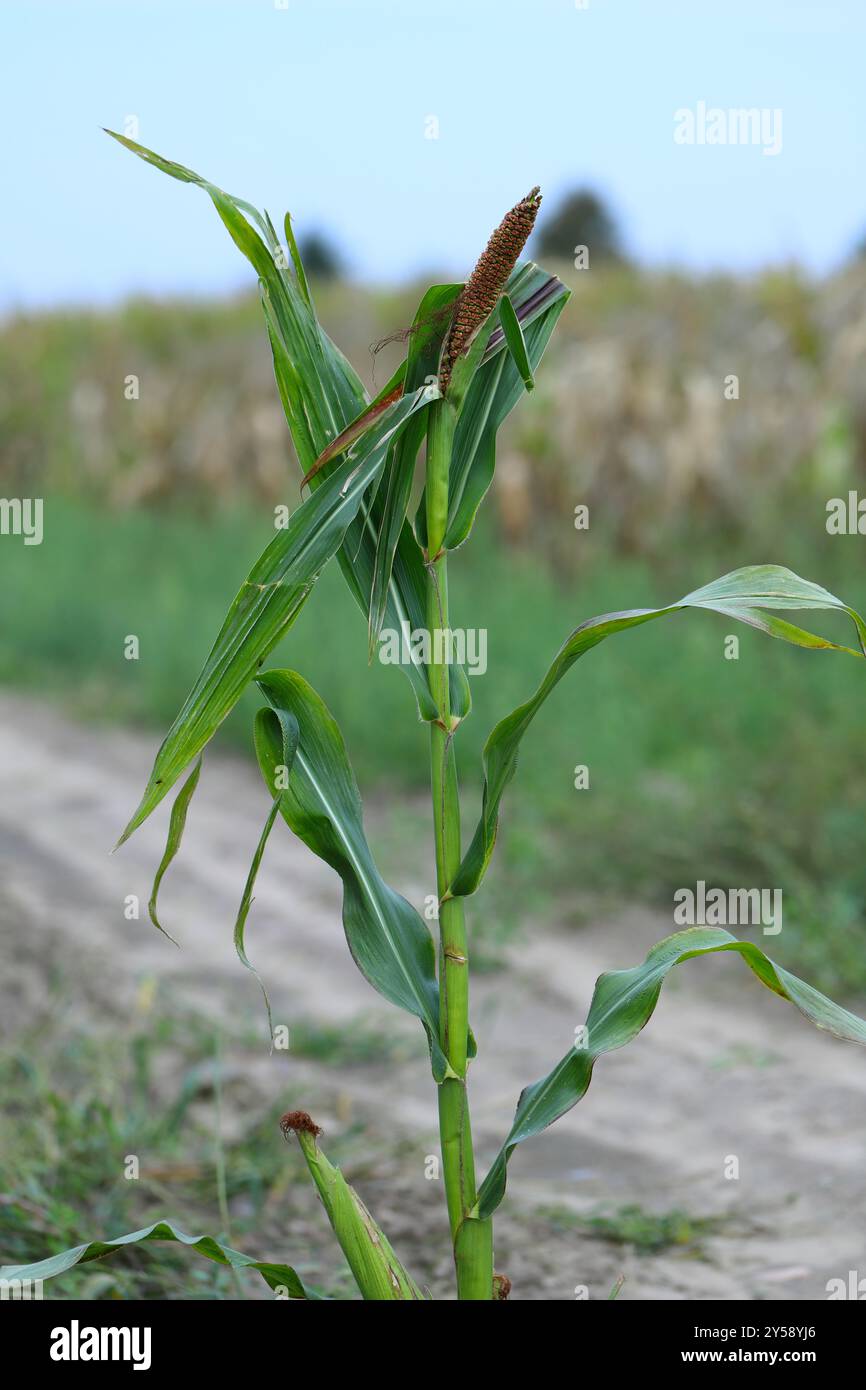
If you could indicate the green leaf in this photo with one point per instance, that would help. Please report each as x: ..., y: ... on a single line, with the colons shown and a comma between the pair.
x: 298, y: 264
x: 321, y: 395
x: 425, y: 345
x: 532, y: 291
x: 176, y: 826
x: 324, y: 393
x: 289, y: 734
x: 389, y: 942
x: 622, y: 1003
x: 377, y: 1271
x: 267, y: 605
x: 516, y: 342
x: 742, y: 594
x: 406, y: 605
x: 538, y: 299
x: 353, y: 432
x: 276, y: 1276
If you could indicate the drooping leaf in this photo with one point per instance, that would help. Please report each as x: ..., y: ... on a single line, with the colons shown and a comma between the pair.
x: 622, y: 1003
x: 538, y: 300
x: 389, y: 942
x: 268, y: 603
x: 246, y: 904
x: 289, y: 736
x: 176, y: 826
x: 277, y: 1276
x: 321, y: 395
x: 324, y: 392
x: 742, y: 594
x: 377, y: 1271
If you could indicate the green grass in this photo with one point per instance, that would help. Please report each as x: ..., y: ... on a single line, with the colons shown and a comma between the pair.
x: 76, y: 1106
x: 743, y: 773
x: 75, y: 1110
x: 649, y: 1232
x: 358, y: 1044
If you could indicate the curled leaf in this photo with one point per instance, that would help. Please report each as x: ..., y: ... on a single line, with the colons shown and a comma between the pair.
x: 389, y: 942
x: 289, y: 743
x: 743, y: 594
x: 622, y: 1004
x: 176, y: 826
x: 281, y: 1278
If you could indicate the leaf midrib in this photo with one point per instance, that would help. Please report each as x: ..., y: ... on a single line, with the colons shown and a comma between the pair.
x: 361, y: 872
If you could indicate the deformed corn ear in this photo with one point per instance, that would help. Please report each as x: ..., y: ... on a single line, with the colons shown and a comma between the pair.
x: 378, y: 1273
x: 481, y: 292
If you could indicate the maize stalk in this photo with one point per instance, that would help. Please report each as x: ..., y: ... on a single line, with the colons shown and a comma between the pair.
x: 472, y: 351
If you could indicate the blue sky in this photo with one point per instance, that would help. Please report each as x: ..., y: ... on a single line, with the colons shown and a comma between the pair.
x: 322, y: 107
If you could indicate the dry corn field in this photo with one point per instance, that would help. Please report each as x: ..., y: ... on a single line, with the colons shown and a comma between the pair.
x: 630, y: 415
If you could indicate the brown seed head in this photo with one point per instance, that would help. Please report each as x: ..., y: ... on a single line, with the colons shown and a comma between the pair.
x: 298, y: 1122
x: 487, y: 281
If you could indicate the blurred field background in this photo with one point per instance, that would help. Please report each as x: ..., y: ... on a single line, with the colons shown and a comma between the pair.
x: 741, y: 773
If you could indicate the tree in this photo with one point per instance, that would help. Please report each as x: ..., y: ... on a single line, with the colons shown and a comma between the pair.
x: 321, y: 258
x: 581, y: 219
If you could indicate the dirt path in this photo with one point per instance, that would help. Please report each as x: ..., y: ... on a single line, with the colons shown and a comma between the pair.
x: 723, y: 1070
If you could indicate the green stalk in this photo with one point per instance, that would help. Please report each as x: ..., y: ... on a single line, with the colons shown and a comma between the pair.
x: 473, y: 1260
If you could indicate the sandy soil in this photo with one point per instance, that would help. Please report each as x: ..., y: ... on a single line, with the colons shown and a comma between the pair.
x: 723, y: 1069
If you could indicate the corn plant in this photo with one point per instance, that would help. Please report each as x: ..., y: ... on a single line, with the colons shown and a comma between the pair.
x: 471, y: 352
